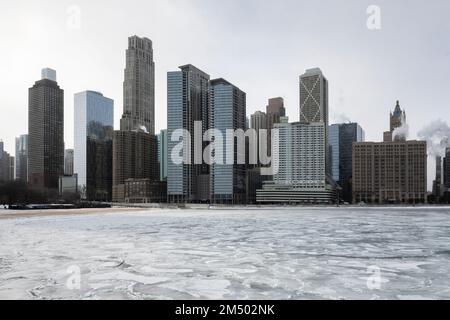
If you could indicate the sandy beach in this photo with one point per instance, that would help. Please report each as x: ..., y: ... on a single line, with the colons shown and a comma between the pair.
x: 14, y: 214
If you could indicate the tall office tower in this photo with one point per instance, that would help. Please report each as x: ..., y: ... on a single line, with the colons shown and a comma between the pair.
x: 314, y: 103
x: 341, y: 139
x: 390, y: 172
x: 187, y: 102
x: 437, y: 183
x: 45, y: 132
x: 139, y: 87
x: 162, y: 155
x: 313, y: 97
x: 275, y: 111
x: 396, y: 120
x: 446, y: 170
x: 227, y: 112
x: 135, y: 150
x: 22, y: 158
x: 94, y: 125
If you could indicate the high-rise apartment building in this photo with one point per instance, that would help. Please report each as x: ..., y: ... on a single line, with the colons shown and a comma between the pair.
x: 134, y: 157
x: 227, y: 112
x: 135, y: 150
x: 187, y: 104
x: 22, y: 158
x: 45, y: 132
x: 301, y: 176
x: 390, y: 172
x: 341, y: 139
x: 94, y: 124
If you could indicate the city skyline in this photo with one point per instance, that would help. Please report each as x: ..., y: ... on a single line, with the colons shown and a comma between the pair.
x: 367, y: 73
x: 291, y: 61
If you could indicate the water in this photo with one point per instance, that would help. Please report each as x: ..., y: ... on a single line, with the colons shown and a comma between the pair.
x: 357, y: 253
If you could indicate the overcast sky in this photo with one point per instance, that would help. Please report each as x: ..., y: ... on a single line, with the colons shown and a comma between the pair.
x: 260, y: 46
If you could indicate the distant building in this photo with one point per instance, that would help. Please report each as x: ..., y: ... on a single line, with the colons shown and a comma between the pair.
x: 258, y: 120
x: 397, y: 119
x: 22, y: 158
x: 187, y: 103
x: 227, y: 111
x: 6, y: 165
x: 275, y: 111
x: 390, y: 172
x: 446, y: 169
x: 134, y: 157
x: 93, y: 124
x: 162, y: 154
x: 145, y: 191
x: 68, y: 185
x: 341, y: 139
x: 46, y: 132
x: 68, y: 162
x: 438, y: 186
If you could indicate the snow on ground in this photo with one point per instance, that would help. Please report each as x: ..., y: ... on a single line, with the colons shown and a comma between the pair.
x: 229, y: 254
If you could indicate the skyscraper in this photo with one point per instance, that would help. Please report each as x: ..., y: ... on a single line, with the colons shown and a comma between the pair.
x: 6, y: 165
x: 275, y: 111
x: 135, y: 150
x: 139, y: 87
x: 187, y: 103
x: 342, y: 136
x: 68, y: 162
x: 22, y: 158
x: 162, y: 154
x: 303, y: 151
x: 438, y: 189
x: 446, y: 167
x: 227, y: 111
x: 94, y: 123
x: 46, y: 132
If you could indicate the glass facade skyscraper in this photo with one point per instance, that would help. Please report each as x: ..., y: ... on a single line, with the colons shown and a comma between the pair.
x: 187, y: 102
x: 341, y: 139
x: 227, y: 111
x: 94, y: 122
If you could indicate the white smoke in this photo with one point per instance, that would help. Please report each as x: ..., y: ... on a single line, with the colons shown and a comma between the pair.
x: 437, y: 135
x: 402, y: 132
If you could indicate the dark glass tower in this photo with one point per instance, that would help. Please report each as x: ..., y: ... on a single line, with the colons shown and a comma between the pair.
x: 46, y: 132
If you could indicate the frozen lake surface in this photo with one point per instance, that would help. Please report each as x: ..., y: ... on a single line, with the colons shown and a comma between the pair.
x: 347, y: 253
